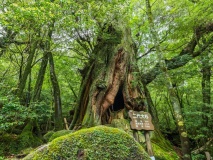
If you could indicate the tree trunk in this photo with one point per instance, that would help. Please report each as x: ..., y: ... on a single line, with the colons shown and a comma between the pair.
x: 171, y: 90
x: 27, y: 71
x: 109, y: 82
x: 151, y: 107
x: 40, y: 78
x: 38, y: 87
x: 206, y: 92
x: 56, y: 94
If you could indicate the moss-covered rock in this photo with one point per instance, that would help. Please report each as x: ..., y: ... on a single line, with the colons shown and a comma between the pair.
x: 8, y: 144
x: 59, y: 134
x: 27, y: 138
x: 164, y: 154
x: 48, y: 135
x: 12, y: 144
x: 99, y: 142
x: 163, y: 150
x: 124, y: 125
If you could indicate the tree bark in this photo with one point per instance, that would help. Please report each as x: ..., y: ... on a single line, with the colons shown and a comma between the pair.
x: 206, y: 93
x: 108, y: 83
x: 27, y: 70
x: 40, y: 78
x: 151, y: 107
x: 56, y: 94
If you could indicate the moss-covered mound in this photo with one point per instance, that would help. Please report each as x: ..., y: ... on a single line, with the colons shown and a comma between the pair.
x: 8, y: 144
x: 11, y: 144
x: 123, y: 124
x: 49, y: 136
x: 99, y: 142
x: 162, y: 148
x: 163, y: 153
x: 59, y: 134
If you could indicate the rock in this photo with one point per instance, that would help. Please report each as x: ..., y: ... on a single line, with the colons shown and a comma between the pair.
x: 98, y: 142
x: 59, y: 134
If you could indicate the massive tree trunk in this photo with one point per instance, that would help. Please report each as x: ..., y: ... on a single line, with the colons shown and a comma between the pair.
x: 109, y: 80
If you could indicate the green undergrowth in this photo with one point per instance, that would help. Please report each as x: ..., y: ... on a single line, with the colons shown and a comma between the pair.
x: 12, y: 144
x: 98, y: 142
x: 8, y: 144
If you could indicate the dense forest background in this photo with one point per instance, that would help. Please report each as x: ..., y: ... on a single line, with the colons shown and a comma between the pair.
x: 46, y: 47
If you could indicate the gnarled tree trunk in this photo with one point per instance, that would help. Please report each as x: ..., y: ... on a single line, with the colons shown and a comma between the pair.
x: 109, y: 80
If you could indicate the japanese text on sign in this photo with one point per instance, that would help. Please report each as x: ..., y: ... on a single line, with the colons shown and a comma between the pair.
x: 141, y: 120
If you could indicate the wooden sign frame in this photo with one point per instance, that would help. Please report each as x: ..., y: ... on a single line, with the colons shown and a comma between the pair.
x: 141, y: 120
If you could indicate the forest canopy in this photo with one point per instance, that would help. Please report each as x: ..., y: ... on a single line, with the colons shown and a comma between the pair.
x: 79, y: 59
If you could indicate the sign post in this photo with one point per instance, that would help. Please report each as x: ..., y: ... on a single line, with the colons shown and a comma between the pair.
x: 142, y: 121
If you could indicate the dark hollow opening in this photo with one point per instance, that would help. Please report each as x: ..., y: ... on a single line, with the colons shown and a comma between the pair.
x: 119, y: 101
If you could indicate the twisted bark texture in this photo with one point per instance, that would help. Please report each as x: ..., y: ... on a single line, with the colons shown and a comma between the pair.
x: 109, y: 82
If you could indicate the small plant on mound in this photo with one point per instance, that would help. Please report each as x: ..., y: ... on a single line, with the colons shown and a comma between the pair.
x: 94, y: 143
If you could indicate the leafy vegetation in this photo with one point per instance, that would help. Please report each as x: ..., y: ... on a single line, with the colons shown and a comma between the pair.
x: 56, y: 62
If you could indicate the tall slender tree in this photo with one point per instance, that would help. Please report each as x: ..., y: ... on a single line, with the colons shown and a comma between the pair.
x: 171, y: 90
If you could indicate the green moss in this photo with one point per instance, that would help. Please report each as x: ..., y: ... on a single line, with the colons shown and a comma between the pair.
x: 99, y: 142
x: 8, y: 144
x: 162, y: 148
x: 16, y: 144
x: 59, y: 134
x: 48, y: 135
x: 164, y: 154
x: 123, y: 124
x: 27, y: 139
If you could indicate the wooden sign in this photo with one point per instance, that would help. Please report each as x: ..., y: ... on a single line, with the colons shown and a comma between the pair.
x: 141, y: 120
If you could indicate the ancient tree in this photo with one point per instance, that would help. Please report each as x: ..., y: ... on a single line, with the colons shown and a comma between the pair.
x: 109, y: 80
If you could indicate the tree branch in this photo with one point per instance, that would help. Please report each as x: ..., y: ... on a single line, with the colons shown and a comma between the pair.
x: 201, y: 149
x: 187, y: 53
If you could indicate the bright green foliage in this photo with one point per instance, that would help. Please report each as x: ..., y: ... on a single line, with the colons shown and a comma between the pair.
x: 27, y: 21
x: 12, y: 114
x: 198, y: 157
x: 59, y: 134
x: 97, y: 143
